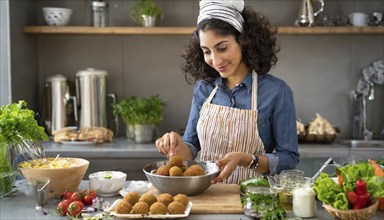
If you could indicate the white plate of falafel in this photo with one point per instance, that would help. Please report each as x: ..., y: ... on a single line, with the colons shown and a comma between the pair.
x: 164, y: 206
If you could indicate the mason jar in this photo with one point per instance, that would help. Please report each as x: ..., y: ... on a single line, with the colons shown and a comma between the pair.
x: 99, y: 14
x: 265, y: 198
x: 287, y: 182
x: 304, y: 200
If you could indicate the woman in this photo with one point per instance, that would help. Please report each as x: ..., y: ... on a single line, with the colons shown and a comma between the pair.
x: 241, y: 117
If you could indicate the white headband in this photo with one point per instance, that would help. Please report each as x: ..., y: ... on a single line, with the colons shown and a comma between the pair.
x: 225, y: 10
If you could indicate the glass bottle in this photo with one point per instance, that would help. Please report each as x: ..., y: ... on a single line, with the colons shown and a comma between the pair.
x: 99, y: 14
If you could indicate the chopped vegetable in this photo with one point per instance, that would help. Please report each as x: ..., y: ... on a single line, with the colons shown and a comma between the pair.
x: 107, y: 175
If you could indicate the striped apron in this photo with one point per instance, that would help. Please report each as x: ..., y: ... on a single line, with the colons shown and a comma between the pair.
x: 223, y: 129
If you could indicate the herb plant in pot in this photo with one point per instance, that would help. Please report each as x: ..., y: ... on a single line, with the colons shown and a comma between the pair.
x: 141, y: 115
x: 19, y: 133
x: 146, y: 12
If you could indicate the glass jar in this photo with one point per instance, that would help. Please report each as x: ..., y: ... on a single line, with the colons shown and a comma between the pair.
x: 99, y: 14
x: 8, y: 168
x: 259, y: 200
x: 304, y: 200
x: 287, y: 182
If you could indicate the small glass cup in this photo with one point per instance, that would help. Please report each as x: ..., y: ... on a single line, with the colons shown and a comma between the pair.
x: 41, y: 190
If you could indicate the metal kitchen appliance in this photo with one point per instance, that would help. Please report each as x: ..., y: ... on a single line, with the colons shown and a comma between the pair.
x: 306, y: 14
x: 91, y: 91
x: 56, y: 104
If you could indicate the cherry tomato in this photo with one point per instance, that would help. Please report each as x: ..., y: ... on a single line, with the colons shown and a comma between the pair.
x: 66, y: 195
x: 89, y: 195
x: 75, y: 208
x: 62, y: 207
x: 77, y: 196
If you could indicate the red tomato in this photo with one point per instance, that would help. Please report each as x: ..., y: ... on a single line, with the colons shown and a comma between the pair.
x: 88, y: 198
x: 66, y: 195
x: 89, y: 192
x: 77, y: 196
x: 62, y: 207
x: 75, y: 208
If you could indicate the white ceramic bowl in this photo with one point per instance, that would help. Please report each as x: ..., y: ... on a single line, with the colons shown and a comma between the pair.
x: 107, y: 183
x: 57, y: 16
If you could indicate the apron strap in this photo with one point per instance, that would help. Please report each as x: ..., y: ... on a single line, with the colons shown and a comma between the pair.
x: 210, y: 97
x: 254, y: 90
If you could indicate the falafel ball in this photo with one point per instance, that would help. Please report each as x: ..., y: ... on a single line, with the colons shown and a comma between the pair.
x: 148, y: 198
x: 140, y: 208
x: 123, y: 207
x: 183, y: 168
x: 182, y: 198
x: 132, y: 197
x: 175, y: 160
x: 200, y: 170
x: 165, y: 198
x: 158, y: 208
x: 190, y: 172
x: 176, y: 207
x: 175, y: 171
x: 163, y: 170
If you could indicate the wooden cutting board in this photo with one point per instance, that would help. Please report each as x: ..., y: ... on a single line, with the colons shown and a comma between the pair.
x: 218, y: 198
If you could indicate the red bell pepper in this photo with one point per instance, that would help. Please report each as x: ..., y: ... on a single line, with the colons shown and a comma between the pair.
x: 361, y: 187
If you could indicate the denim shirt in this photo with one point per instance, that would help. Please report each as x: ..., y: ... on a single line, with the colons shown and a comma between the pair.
x: 276, y: 116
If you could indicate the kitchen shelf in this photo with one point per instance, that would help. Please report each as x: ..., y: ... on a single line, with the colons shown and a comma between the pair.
x: 285, y: 30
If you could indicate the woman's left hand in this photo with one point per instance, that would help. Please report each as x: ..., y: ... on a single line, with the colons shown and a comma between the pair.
x: 227, y: 165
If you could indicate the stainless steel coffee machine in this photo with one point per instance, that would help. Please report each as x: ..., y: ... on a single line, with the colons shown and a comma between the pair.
x: 57, y: 97
x: 91, y: 89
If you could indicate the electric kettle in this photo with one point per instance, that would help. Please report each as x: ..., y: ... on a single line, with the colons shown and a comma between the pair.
x: 306, y: 14
x: 91, y: 91
x: 57, y: 95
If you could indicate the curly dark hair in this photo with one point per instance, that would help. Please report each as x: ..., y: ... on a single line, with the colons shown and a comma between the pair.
x: 258, y: 42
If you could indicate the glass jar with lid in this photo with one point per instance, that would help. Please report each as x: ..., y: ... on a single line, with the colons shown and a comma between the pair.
x: 259, y: 200
x: 99, y: 14
x: 304, y: 200
x: 287, y: 182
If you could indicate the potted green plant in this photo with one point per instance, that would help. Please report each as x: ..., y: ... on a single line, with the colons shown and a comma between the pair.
x: 19, y: 133
x: 141, y: 116
x: 146, y: 12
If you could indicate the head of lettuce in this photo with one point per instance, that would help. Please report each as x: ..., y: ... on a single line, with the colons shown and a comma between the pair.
x: 19, y: 134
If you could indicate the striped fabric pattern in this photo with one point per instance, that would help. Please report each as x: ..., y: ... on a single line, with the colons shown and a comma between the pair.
x: 223, y: 129
x: 222, y: 11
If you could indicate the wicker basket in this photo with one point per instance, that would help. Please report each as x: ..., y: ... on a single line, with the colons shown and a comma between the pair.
x: 358, y: 214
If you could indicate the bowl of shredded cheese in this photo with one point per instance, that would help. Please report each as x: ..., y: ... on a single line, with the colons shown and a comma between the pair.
x: 65, y: 173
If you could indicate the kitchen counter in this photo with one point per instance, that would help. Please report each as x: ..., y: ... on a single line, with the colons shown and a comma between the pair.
x: 124, y: 148
x: 20, y: 206
x: 129, y: 157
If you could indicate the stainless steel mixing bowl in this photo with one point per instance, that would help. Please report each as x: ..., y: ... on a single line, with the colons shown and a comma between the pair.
x: 189, y: 185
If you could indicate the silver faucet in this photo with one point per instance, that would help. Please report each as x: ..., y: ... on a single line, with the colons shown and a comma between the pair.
x: 366, y: 133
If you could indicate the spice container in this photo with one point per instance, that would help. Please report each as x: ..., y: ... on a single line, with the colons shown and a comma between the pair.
x: 99, y: 14
x: 304, y: 200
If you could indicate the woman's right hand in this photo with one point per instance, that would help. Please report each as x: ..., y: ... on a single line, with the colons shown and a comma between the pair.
x: 169, y: 144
